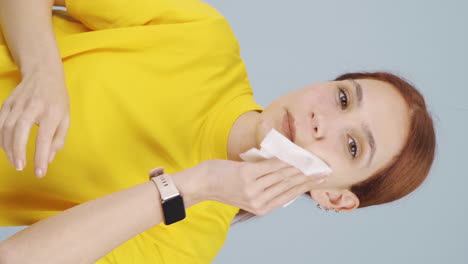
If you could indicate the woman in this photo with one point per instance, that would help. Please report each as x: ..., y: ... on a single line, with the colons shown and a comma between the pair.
x: 161, y: 83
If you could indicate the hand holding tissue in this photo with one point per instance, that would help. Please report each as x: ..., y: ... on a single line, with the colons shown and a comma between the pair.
x: 276, y: 145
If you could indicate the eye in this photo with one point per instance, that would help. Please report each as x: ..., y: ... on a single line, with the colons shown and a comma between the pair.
x: 352, y: 146
x: 343, y: 98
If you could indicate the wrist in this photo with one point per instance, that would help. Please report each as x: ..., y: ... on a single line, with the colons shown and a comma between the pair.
x: 189, y: 186
x: 40, y: 65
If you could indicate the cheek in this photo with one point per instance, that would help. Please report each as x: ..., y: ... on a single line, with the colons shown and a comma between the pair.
x: 342, y: 174
x: 329, y: 151
x: 319, y: 98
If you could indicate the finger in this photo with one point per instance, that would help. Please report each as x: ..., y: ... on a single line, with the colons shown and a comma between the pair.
x: 268, y: 166
x: 264, y: 128
x: 8, y: 132
x: 7, y: 107
x: 4, y: 112
x: 43, y: 142
x: 271, y: 179
x: 287, y: 184
x: 21, y: 136
x: 291, y: 194
x: 58, y: 142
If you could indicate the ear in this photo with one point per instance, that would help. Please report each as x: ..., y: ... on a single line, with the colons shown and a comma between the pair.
x: 343, y: 200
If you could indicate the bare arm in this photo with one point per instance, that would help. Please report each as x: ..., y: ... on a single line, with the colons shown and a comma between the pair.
x: 27, y: 27
x: 41, y: 97
x: 87, y: 232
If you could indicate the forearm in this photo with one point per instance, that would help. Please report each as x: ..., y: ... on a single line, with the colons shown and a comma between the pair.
x: 27, y: 28
x: 86, y: 233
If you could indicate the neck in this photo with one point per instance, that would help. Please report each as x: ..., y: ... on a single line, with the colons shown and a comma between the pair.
x: 242, y: 135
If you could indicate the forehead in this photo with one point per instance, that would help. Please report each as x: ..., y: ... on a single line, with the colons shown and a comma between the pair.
x: 387, y: 115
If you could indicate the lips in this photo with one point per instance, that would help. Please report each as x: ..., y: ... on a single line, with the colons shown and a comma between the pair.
x: 288, y: 126
x: 292, y: 127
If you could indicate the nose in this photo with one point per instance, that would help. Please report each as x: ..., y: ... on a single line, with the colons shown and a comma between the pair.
x: 318, y: 130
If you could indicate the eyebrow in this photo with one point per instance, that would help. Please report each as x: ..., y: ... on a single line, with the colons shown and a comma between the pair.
x: 370, y: 137
x: 358, y: 89
x: 371, y: 141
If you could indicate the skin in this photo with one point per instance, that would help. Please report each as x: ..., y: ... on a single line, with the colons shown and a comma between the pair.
x: 327, y: 123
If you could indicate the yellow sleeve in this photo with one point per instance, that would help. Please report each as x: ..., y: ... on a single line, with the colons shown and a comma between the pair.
x: 105, y: 14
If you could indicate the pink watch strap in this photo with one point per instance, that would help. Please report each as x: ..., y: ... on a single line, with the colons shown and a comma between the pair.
x: 164, y: 183
x: 155, y: 172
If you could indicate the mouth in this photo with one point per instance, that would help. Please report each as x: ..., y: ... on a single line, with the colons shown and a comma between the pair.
x: 288, y: 126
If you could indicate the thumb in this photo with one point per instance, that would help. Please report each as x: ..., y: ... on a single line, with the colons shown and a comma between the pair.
x: 264, y: 128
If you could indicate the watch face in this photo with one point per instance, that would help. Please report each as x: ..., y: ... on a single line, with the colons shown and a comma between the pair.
x: 173, y: 209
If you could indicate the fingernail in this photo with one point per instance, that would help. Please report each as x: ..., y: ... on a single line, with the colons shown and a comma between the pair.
x: 52, y: 155
x: 40, y: 172
x: 320, y: 181
x: 19, y: 165
x: 10, y: 159
x: 321, y: 176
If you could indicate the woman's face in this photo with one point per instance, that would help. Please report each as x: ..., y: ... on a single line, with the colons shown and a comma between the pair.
x: 355, y: 126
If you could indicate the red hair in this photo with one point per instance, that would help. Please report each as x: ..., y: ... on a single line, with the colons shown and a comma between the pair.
x: 406, y: 171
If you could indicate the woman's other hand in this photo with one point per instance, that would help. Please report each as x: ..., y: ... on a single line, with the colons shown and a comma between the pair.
x: 257, y: 187
x: 41, y: 98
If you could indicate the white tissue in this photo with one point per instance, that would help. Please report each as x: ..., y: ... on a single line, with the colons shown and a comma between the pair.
x: 276, y: 145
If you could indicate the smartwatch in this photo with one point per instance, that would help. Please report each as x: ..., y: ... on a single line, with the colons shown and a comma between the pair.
x: 172, y: 202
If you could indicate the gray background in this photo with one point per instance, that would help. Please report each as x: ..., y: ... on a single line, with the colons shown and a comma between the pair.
x: 287, y: 45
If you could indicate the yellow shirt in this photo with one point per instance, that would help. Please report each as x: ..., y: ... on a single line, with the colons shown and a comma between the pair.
x: 151, y: 83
